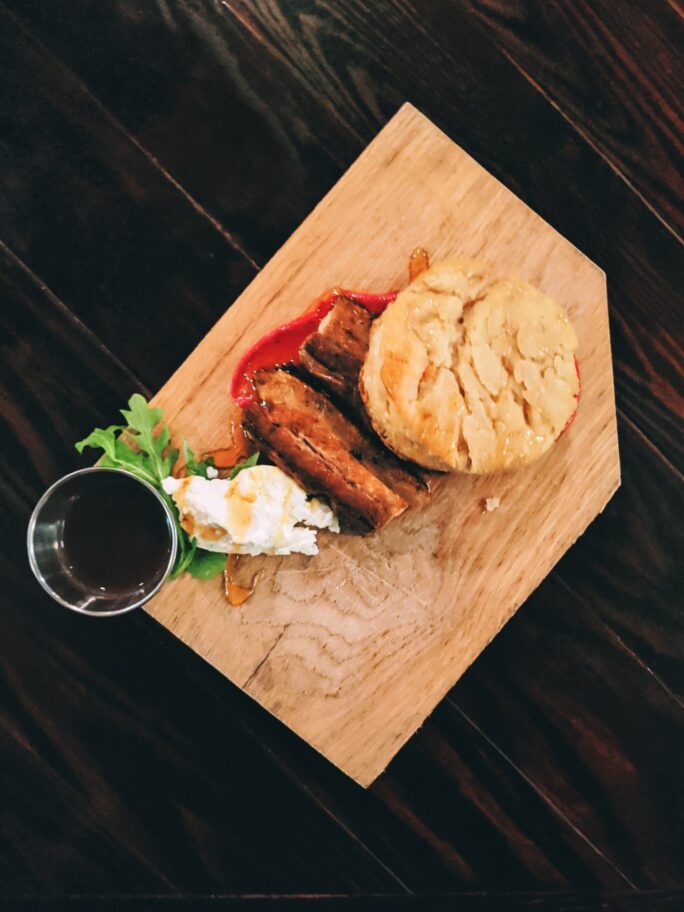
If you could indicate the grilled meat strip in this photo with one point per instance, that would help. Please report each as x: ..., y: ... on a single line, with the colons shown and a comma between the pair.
x: 335, y: 353
x: 334, y: 356
x: 301, y: 431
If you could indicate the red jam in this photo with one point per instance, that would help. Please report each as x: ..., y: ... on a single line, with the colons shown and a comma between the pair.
x: 282, y: 344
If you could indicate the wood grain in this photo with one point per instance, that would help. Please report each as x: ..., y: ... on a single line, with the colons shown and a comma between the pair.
x: 256, y: 109
x: 628, y: 567
x: 577, y: 774
x: 354, y: 649
x: 606, y: 796
x: 105, y: 209
x: 193, y: 85
x: 275, y: 69
x: 450, y: 810
x: 154, y: 748
x: 45, y: 351
x: 615, y: 71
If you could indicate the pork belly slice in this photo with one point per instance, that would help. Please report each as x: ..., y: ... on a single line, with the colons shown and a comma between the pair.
x: 333, y: 356
x: 335, y: 353
x: 303, y: 433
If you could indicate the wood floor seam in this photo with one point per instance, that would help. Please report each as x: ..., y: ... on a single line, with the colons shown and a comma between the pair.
x: 585, y: 138
x: 82, y: 327
x: 650, y: 443
x: 541, y: 793
x: 613, y: 634
x: 213, y: 221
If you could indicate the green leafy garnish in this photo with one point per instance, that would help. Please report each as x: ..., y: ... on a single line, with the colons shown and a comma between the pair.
x: 141, y: 421
x: 192, y: 466
x: 143, y: 449
x: 116, y: 454
x: 150, y: 457
x: 206, y: 564
x: 247, y: 464
x: 187, y: 549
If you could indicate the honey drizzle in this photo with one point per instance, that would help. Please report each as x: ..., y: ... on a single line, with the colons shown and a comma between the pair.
x: 225, y: 458
x: 236, y: 594
x: 419, y: 261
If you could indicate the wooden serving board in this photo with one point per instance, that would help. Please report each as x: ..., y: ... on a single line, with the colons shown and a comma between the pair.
x: 353, y: 648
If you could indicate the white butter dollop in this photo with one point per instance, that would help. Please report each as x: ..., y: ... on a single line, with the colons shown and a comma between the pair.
x: 261, y: 511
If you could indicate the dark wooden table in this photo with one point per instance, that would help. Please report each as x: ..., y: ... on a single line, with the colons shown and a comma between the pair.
x: 154, y: 154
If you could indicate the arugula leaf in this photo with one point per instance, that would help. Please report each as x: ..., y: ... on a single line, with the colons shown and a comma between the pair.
x: 143, y: 449
x: 206, y: 564
x: 116, y: 454
x: 247, y: 464
x: 141, y: 421
x: 186, y: 552
x: 192, y: 466
x: 101, y: 437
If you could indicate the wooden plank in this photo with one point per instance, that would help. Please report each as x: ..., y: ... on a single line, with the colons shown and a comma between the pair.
x: 49, y: 838
x: 262, y: 74
x: 615, y: 72
x: 106, y: 762
x: 467, y: 793
x: 380, y: 642
x: 554, y: 686
x: 117, y: 777
x: 89, y: 212
x: 628, y: 566
x: 58, y: 381
x: 192, y: 85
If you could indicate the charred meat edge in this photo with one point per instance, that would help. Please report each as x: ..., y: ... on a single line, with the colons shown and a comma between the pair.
x: 301, y: 431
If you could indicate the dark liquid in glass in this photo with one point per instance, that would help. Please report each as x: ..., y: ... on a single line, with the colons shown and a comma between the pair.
x: 115, y: 537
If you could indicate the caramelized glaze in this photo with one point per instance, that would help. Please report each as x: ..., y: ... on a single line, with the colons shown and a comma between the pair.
x: 236, y: 594
x: 238, y: 450
x: 419, y: 261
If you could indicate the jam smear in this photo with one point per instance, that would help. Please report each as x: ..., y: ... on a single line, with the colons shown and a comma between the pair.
x: 281, y: 345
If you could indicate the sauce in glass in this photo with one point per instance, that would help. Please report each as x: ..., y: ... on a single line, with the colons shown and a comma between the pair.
x: 115, y: 538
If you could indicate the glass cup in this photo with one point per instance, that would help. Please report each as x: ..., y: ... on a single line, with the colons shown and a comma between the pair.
x: 101, y: 541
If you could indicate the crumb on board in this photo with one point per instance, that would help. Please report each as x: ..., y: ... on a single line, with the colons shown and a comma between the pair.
x: 491, y: 504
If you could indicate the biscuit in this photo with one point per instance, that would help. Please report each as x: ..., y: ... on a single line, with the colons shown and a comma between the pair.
x: 469, y: 373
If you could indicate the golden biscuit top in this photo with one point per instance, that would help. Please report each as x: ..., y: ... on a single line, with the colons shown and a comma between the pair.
x: 468, y: 373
